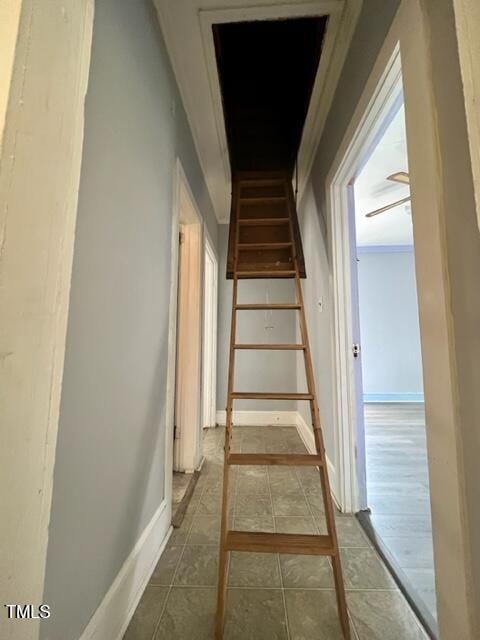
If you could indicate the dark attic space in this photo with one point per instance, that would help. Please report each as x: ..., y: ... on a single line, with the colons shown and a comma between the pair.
x: 267, y: 71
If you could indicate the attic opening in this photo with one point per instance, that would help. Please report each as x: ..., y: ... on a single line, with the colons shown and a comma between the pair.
x: 267, y: 71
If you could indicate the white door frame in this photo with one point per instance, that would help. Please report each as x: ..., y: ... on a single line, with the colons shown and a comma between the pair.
x: 352, y: 494
x: 184, y: 368
x: 467, y: 17
x: 408, y: 35
x: 209, y: 364
x: 45, y: 63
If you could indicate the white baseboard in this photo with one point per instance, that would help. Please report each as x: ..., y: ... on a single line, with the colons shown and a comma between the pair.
x: 259, y: 418
x: 306, y: 434
x: 414, y: 396
x: 111, y: 619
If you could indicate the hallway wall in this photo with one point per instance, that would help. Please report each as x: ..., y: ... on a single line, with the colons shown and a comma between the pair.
x: 109, y: 471
x: 389, y: 326
x: 453, y: 436
x: 373, y: 24
x: 316, y: 289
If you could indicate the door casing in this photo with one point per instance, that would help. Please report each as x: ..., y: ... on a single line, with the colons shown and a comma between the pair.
x: 406, y: 54
x: 183, y: 444
x: 209, y: 356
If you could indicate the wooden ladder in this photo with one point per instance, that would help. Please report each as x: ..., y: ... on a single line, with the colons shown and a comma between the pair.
x: 261, y: 265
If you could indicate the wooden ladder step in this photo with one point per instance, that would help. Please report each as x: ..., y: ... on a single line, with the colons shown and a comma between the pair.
x: 270, y: 395
x: 279, y: 273
x: 298, y: 544
x: 263, y: 222
x: 261, y: 246
x: 274, y: 459
x: 271, y: 347
x: 261, y: 199
x: 265, y: 307
x: 261, y: 182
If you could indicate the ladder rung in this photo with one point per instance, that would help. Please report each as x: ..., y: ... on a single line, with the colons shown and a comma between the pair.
x: 269, y: 222
x: 270, y: 395
x: 261, y: 199
x: 280, y: 273
x: 272, y: 347
x: 279, y: 543
x: 270, y: 459
x: 261, y: 182
x: 258, y: 246
x: 262, y: 307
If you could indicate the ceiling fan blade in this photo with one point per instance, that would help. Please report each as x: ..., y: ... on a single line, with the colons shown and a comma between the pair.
x: 400, y: 176
x: 387, y: 207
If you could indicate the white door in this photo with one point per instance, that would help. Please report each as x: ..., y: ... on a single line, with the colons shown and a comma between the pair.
x: 356, y: 359
x: 209, y: 373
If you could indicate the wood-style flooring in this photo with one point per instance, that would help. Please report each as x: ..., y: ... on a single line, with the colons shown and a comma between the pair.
x: 398, y: 496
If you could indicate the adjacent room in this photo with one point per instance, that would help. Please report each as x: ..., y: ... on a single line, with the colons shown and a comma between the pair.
x: 396, y: 489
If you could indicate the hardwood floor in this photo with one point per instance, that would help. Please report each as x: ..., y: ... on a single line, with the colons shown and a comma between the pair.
x: 398, y: 495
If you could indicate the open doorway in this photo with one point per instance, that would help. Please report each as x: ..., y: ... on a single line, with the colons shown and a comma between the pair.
x: 187, y: 292
x: 381, y: 442
x: 402, y: 67
x: 391, y: 431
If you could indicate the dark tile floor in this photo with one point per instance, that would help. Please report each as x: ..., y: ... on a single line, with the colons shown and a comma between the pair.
x: 270, y: 597
x: 398, y: 495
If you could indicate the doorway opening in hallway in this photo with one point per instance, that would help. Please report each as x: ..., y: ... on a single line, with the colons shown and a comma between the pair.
x: 381, y: 432
x: 187, y: 245
x: 392, y: 465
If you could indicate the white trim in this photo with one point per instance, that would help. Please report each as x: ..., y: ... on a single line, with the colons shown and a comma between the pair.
x: 210, y: 335
x: 385, y: 248
x: 336, y: 46
x: 188, y: 372
x: 467, y: 22
x: 306, y: 434
x: 172, y: 334
x: 112, y: 617
x: 44, y: 79
x: 394, y: 396
x: 377, y: 101
x: 259, y: 418
x: 187, y: 29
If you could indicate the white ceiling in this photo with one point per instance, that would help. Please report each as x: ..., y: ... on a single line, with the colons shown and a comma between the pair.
x: 372, y: 191
x: 187, y: 28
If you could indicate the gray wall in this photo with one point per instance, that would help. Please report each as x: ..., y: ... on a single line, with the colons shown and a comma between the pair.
x: 318, y: 312
x: 375, y: 19
x: 109, y: 471
x: 391, y: 357
x: 255, y: 370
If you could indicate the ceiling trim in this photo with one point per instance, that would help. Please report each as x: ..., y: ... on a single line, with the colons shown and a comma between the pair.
x: 385, y: 248
x: 187, y: 29
x: 328, y: 75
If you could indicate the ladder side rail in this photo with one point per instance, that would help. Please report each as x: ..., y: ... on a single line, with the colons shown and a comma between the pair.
x: 223, y: 552
x: 318, y: 437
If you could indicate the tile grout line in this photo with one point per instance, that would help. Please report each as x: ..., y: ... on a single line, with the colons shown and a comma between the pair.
x: 278, y: 559
x: 197, y: 510
x: 315, y: 524
x: 170, y: 587
x: 253, y: 587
